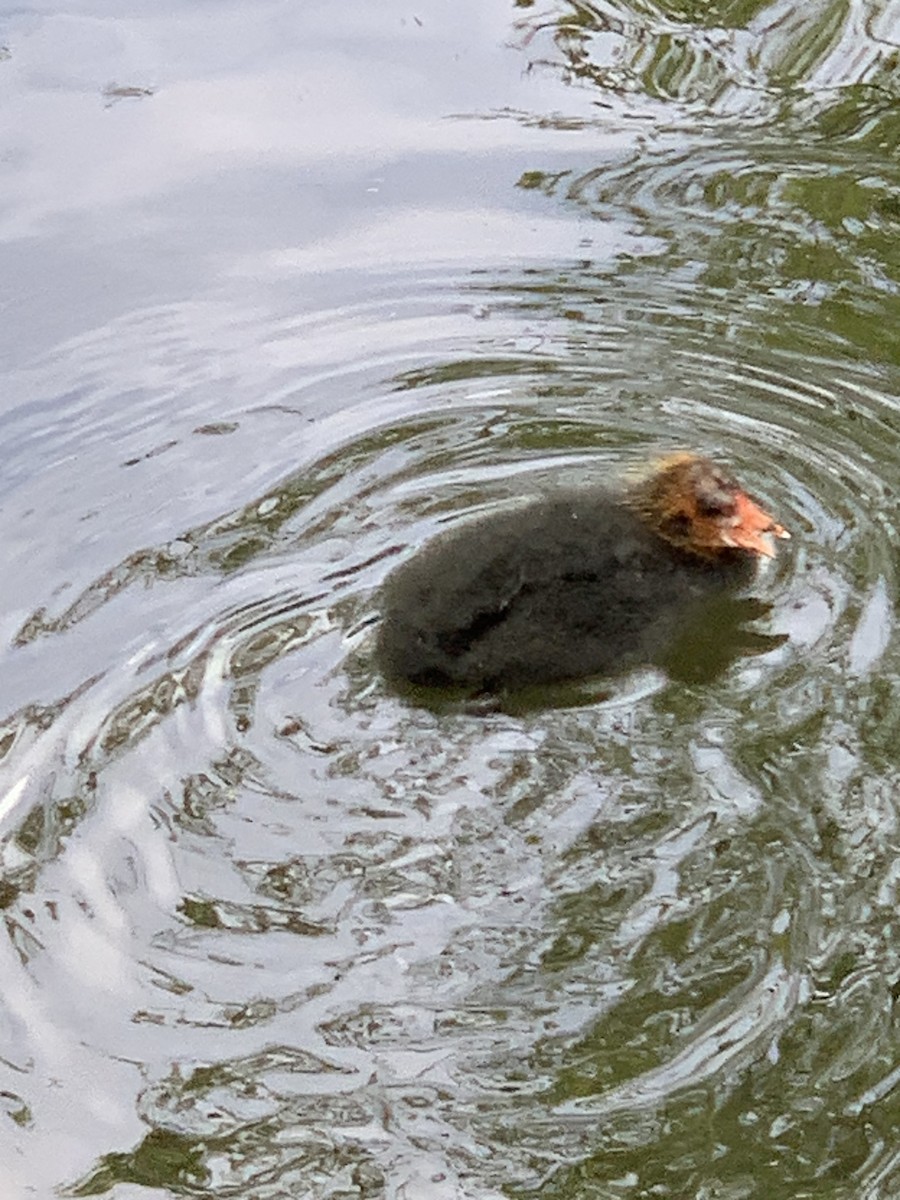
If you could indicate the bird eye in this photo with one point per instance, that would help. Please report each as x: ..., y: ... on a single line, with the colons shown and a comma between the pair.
x: 715, y: 498
x: 714, y: 506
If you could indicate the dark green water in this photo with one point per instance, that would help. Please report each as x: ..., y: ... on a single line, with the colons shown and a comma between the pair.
x: 286, y: 289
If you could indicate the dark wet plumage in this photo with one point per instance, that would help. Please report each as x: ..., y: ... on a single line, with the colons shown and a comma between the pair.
x: 572, y: 584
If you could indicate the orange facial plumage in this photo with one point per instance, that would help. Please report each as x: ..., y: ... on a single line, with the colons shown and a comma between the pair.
x: 695, y: 505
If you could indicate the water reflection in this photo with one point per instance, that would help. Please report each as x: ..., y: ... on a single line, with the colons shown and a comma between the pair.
x: 447, y: 930
x: 272, y: 930
x: 757, y: 61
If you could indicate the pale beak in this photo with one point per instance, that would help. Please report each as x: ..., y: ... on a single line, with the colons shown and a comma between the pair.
x: 754, y: 529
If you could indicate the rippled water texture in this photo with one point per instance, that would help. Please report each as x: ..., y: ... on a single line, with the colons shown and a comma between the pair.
x: 286, y: 291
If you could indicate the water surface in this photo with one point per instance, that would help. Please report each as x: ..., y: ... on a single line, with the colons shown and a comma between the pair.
x: 284, y: 294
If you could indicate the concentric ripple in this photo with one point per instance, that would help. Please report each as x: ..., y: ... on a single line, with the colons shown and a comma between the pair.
x: 304, y: 936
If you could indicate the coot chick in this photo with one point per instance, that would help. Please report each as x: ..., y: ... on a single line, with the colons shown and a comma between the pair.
x: 575, y: 583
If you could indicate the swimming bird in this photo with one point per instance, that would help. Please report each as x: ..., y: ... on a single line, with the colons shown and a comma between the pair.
x: 574, y: 583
